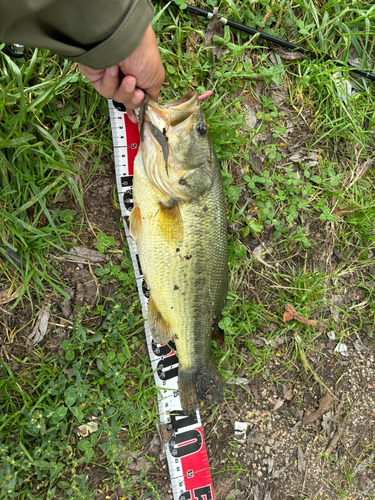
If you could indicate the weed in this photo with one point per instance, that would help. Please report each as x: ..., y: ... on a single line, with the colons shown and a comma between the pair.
x: 285, y: 195
x: 90, y: 385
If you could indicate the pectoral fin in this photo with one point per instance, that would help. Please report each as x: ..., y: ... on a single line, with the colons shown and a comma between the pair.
x: 135, y: 222
x: 160, y: 329
x: 170, y: 223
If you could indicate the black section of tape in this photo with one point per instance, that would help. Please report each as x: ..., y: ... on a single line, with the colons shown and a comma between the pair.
x: 119, y: 106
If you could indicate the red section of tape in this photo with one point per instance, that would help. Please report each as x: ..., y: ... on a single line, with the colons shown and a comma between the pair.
x: 198, y: 483
x: 132, y: 142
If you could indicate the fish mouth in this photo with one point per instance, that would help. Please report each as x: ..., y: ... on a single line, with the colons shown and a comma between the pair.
x: 184, y: 102
x: 168, y: 115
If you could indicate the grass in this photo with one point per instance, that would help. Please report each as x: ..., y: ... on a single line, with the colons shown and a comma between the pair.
x: 41, y: 407
x: 302, y: 210
x: 40, y: 119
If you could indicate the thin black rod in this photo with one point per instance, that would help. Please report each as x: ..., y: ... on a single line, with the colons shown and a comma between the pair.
x: 242, y: 27
x: 273, y: 39
x: 9, y: 51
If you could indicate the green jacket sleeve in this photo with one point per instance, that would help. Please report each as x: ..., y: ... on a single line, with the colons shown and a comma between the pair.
x: 96, y: 33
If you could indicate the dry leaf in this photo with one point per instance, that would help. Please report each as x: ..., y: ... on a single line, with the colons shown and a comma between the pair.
x: 270, y: 463
x: 365, y: 464
x: 257, y: 439
x: 327, y: 419
x: 214, y: 28
x: 288, y: 395
x: 4, y: 298
x: 279, y: 403
x: 296, y: 158
x: 135, y: 462
x: 255, y: 492
x: 290, y: 313
x: 37, y: 335
x: 87, y: 429
x: 362, y: 169
x: 238, y: 381
x: 155, y: 450
x: 301, y: 460
x: 85, y: 255
x: 165, y: 433
x: 192, y: 41
x: 360, y: 347
x: 325, y: 404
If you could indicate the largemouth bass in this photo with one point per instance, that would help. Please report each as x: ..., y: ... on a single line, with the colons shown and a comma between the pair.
x: 179, y: 223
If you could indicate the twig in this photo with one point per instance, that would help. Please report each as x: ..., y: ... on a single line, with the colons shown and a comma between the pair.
x: 305, y: 476
x: 76, y: 136
x: 96, y: 282
x: 68, y: 326
x: 342, y: 426
x: 307, y: 365
x: 162, y: 474
x: 361, y: 171
x: 256, y: 295
x: 4, y: 299
x: 5, y: 311
x: 334, y: 441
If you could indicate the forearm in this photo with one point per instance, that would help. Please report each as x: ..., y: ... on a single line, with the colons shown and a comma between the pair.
x: 96, y: 33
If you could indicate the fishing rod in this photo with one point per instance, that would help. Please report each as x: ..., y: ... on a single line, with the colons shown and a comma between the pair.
x: 15, y: 51
x: 273, y: 39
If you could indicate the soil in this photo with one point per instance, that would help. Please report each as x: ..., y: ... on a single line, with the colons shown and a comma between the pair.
x: 285, y: 454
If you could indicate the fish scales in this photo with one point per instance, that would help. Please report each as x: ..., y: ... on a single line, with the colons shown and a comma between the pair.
x: 182, y: 246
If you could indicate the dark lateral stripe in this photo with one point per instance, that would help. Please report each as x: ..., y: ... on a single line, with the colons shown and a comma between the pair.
x: 163, y: 141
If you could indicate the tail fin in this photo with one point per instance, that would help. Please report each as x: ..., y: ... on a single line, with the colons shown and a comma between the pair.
x: 201, y: 384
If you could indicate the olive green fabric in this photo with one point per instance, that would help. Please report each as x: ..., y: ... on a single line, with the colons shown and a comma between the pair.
x: 96, y: 33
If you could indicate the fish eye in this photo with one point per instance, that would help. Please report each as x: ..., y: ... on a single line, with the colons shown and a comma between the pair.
x: 201, y: 128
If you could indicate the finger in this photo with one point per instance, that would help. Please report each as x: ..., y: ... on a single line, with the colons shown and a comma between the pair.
x: 131, y: 101
x: 137, y: 99
x: 109, y: 83
x: 131, y: 115
x: 125, y: 91
x: 93, y: 75
x: 128, y: 83
x: 104, y: 81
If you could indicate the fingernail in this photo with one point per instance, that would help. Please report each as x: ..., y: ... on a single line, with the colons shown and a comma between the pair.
x: 136, y: 100
x: 113, y: 70
x: 129, y: 87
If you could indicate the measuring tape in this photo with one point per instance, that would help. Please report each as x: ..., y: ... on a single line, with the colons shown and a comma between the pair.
x: 186, y: 450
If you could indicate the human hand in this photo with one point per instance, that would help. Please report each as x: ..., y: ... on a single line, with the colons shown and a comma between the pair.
x: 143, y: 69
